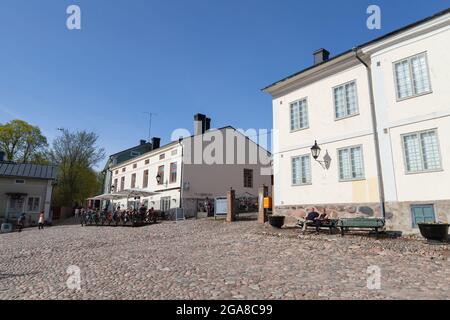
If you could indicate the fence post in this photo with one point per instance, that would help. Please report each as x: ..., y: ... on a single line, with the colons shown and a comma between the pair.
x: 262, y: 213
x: 231, y: 216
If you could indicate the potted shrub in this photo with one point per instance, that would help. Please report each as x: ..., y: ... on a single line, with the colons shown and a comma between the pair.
x: 434, y: 231
x: 276, y: 221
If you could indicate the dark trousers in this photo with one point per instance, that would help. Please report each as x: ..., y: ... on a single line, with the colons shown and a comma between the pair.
x: 41, y: 226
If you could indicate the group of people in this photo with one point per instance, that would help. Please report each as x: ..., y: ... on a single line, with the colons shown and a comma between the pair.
x: 22, y: 219
x: 118, y: 215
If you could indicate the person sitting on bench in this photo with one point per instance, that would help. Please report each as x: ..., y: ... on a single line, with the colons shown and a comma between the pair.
x: 311, y: 218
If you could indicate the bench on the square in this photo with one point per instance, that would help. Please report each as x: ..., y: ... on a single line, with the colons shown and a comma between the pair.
x: 320, y: 224
x: 360, y: 223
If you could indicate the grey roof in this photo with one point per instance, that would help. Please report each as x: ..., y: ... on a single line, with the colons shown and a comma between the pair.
x: 25, y: 170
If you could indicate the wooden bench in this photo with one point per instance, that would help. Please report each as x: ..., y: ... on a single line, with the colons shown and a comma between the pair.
x: 319, y: 224
x: 360, y: 223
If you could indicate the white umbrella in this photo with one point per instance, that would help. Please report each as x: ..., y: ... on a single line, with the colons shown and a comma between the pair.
x: 109, y: 196
x: 131, y: 193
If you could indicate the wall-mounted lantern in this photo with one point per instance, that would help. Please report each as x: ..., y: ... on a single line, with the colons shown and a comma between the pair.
x: 315, y: 152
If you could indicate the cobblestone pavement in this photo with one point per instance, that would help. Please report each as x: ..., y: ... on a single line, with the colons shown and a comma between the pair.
x: 209, y: 259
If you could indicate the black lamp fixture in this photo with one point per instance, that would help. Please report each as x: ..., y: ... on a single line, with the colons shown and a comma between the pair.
x: 113, y: 188
x: 315, y: 152
x: 158, y: 178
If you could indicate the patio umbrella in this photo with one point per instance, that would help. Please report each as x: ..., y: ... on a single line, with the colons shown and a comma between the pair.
x: 134, y: 193
x: 109, y: 196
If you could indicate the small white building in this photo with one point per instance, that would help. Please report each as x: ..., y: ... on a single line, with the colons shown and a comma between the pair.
x: 191, y: 170
x: 381, y: 115
x: 25, y: 188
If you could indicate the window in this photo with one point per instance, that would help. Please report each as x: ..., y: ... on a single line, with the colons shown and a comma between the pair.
x: 117, y: 171
x: 145, y: 179
x: 147, y: 161
x: 411, y: 76
x: 20, y: 181
x: 133, y: 180
x: 345, y: 100
x: 124, y: 169
x: 33, y: 204
x: 173, y: 172
x: 135, y: 153
x: 115, y: 184
x: 301, y: 170
x: 422, y: 214
x: 248, y: 178
x: 122, y: 183
x: 299, y: 115
x: 134, y: 165
x: 162, y: 156
x: 174, y: 152
x: 161, y: 174
x: 351, y: 165
x: 421, y: 151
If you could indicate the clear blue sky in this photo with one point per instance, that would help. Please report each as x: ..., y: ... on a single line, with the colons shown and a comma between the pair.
x: 174, y: 58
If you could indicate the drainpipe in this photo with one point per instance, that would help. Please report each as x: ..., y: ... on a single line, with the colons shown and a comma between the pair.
x: 180, y: 141
x: 375, y: 133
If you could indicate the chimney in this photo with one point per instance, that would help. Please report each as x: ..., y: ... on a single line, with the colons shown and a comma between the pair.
x: 321, y: 55
x: 207, y: 124
x: 199, y: 124
x: 142, y: 142
x: 156, y: 143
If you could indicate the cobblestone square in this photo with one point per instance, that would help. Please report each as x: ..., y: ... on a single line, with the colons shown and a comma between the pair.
x: 207, y: 259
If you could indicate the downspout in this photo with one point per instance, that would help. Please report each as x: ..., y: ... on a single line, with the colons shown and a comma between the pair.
x: 375, y: 133
x: 180, y: 141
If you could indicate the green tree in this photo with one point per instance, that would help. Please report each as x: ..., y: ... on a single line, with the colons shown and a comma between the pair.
x: 23, y: 142
x: 76, y: 154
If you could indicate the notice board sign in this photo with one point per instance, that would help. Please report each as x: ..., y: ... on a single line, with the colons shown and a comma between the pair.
x: 220, y: 207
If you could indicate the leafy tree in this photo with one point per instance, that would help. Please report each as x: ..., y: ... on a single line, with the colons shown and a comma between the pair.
x: 76, y: 154
x: 22, y: 142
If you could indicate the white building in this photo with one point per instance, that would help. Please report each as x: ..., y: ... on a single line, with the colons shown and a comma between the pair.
x: 381, y: 115
x: 191, y: 170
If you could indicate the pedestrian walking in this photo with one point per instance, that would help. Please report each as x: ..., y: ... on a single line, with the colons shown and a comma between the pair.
x: 21, y: 221
x: 41, y: 221
x: 77, y: 212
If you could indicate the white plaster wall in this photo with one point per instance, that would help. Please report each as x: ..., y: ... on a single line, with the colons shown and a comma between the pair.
x: 424, y: 112
x: 331, y: 134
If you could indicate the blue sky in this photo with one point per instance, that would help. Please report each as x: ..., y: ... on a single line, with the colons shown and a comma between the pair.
x: 173, y: 58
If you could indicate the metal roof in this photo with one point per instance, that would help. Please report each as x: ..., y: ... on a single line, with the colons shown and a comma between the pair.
x: 26, y: 170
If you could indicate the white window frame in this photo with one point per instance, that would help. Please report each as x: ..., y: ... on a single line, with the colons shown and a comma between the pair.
x: 405, y: 163
x: 308, y: 183
x: 34, y: 198
x: 357, y: 113
x: 414, y: 95
x: 351, y: 169
x: 305, y: 100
